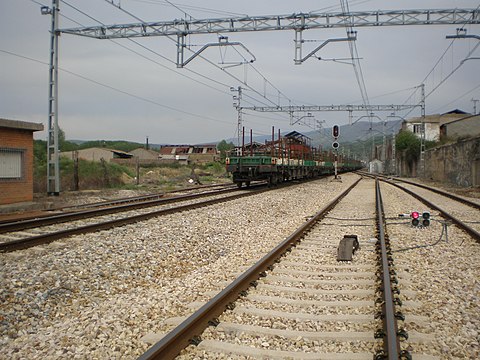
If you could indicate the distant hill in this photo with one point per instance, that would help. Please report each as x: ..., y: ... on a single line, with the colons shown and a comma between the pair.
x: 348, y: 133
x: 359, y: 131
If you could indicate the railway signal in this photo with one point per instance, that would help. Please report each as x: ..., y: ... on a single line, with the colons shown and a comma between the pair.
x: 335, y: 145
x: 426, y: 218
x: 335, y: 131
x: 420, y: 219
x: 415, y: 215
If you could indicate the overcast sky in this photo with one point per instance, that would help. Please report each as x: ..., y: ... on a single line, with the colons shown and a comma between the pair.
x: 106, y: 91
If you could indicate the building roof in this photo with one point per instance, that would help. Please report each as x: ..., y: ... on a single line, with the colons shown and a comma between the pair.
x: 21, y: 125
x: 440, y: 118
x: 122, y: 154
x: 296, y: 135
x: 465, y: 119
x: 456, y: 111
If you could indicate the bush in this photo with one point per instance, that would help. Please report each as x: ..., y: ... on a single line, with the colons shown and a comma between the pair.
x: 214, y: 167
x: 92, y: 175
x: 409, y: 144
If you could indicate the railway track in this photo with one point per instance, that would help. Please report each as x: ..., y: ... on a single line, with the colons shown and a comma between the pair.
x: 303, y: 304
x: 463, y: 200
x: 14, y: 218
x: 32, y: 232
x: 299, y: 302
x: 142, y: 198
x: 460, y: 211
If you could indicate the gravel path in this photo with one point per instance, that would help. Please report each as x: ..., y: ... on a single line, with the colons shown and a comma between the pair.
x: 97, y: 295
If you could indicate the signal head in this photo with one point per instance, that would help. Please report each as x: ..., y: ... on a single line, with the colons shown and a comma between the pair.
x: 426, y: 218
x: 415, y: 215
x: 335, y: 131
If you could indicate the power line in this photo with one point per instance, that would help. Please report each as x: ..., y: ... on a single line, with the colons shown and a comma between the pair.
x: 158, y: 54
x: 124, y: 92
x: 461, y: 96
x: 454, y: 70
x: 190, y: 7
x: 333, y: 7
x: 243, y: 82
x: 354, y: 55
x: 62, y: 15
x: 435, y: 66
x: 207, y: 60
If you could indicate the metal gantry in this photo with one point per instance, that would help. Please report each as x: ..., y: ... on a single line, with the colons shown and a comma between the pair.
x: 312, y: 108
x: 299, y: 21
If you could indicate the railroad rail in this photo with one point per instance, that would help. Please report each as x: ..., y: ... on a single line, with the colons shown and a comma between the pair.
x: 104, y: 209
x: 8, y: 230
x: 462, y: 224
x: 189, y: 331
x: 426, y: 187
x: 141, y: 198
x: 106, y: 204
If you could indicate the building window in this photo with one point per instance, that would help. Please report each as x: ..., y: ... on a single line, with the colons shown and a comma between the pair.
x: 12, y: 164
x: 417, y: 128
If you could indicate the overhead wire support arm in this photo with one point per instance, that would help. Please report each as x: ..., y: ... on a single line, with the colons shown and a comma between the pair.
x: 222, y: 41
x: 352, y: 36
x: 462, y: 34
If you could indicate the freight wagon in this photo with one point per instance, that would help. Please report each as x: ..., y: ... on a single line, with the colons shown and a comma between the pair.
x: 288, y: 158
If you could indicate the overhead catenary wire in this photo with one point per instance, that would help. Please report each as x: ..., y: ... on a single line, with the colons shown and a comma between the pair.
x: 354, y: 54
x: 223, y: 69
x: 124, y: 92
x: 158, y: 54
x: 432, y: 70
x: 458, y: 98
x: 190, y: 7
x: 207, y: 60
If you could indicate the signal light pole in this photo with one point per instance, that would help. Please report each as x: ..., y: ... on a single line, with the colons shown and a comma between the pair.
x: 335, y: 145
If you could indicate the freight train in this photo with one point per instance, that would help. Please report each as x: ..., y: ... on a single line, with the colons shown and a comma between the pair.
x: 290, y: 157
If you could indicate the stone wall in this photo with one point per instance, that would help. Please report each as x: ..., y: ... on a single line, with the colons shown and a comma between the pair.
x: 457, y: 163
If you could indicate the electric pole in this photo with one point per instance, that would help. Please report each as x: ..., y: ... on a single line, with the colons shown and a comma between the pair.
x: 237, y: 99
x: 422, y: 132
x: 475, y: 101
x: 53, y: 167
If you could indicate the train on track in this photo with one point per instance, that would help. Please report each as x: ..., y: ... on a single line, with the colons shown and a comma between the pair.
x: 290, y: 157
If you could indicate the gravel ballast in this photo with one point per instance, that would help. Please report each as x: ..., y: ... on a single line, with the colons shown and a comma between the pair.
x: 97, y: 295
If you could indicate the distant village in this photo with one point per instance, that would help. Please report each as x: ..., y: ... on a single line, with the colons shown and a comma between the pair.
x: 168, y: 154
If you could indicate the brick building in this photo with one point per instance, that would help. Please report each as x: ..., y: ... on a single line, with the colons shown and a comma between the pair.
x: 16, y: 160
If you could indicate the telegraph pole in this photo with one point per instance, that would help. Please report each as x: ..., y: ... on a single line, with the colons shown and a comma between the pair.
x: 475, y: 101
x: 53, y: 168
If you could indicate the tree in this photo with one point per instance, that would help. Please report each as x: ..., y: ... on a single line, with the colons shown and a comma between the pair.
x: 224, y: 147
x: 63, y: 144
x: 408, y: 144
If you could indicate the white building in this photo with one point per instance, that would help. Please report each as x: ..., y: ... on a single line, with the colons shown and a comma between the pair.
x: 432, y: 123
